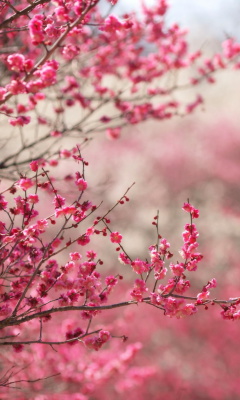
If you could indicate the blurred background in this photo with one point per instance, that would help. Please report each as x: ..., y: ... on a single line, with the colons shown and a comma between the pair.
x: 195, y: 157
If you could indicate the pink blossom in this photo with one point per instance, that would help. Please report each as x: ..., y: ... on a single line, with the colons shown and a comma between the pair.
x: 59, y: 201
x: 113, y: 133
x: 36, y: 29
x: 65, y: 211
x: 65, y: 153
x: 18, y: 348
x: 189, y: 208
x: 56, y: 243
x: 20, y: 121
x: 90, y: 231
x: 124, y: 259
x: 91, y: 255
x: 192, y: 265
x: 53, y: 163
x: 73, y: 295
x: 3, y: 202
x: 83, y: 240
x: 211, y: 284
x: 70, y: 51
x: 48, y: 75
x: 33, y: 198
x: 61, y: 13
x: 71, y: 334
x: 104, y: 336
x: 112, y: 24
x: 81, y: 184
x: 187, y: 310
x: 16, y: 87
x: 138, y: 290
x: 16, y: 62
x: 115, y: 237
x: 203, y: 296
x: 56, y: 133
x: 177, y: 269
x: 111, y: 280
x: 34, y: 165
x: 139, y: 266
x: 41, y: 225
x: 3, y: 92
x: 75, y: 256
x: 160, y: 274
x: 163, y: 246
x: 25, y: 183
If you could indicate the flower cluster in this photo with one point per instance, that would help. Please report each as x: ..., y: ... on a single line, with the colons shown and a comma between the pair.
x: 62, y: 34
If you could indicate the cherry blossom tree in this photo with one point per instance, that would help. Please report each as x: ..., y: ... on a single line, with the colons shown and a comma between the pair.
x: 68, y: 72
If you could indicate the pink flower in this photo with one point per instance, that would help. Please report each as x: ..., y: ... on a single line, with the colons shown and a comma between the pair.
x: 59, y: 201
x: 112, y: 24
x: 164, y: 245
x: 139, y: 266
x: 160, y: 274
x: 124, y: 259
x: 25, y: 183
x: 33, y: 198
x: 70, y: 51
x: 111, y: 280
x: 211, y: 284
x: 56, y: 133
x: 113, y: 133
x: 48, y: 75
x: 65, y: 211
x: 56, y: 243
x: 177, y: 269
x: 3, y: 202
x: 34, y: 165
x: 65, y: 153
x: 104, y: 336
x: 189, y: 208
x: 18, y: 348
x: 41, y: 225
x: 20, y: 121
x: 115, y: 237
x: 83, y: 240
x: 53, y: 163
x: 81, y: 184
x: 16, y: 86
x: 203, y: 296
x: 138, y: 290
x: 3, y: 92
x: 75, y: 256
x: 90, y: 231
x: 91, y: 255
x: 36, y: 29
x: 16, y: 62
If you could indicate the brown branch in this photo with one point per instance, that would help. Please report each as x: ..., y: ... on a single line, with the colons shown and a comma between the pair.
x: 28, y: 381
x: 15, y: 321
x: 48, y: 342
x: 24, y: 11
x: 54, y: 47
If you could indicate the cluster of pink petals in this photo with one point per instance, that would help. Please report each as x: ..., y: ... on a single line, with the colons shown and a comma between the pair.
x: 115, y: 237
x: 96, y: 342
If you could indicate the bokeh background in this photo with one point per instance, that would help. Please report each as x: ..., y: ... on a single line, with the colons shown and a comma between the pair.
x: 196, y: 157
